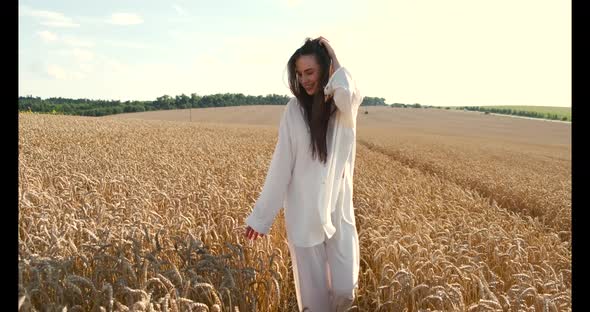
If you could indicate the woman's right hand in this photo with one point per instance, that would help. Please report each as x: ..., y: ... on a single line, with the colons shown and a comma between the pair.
x: 252, y: 234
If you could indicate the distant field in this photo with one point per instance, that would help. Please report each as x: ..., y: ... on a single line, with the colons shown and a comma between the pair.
x: 544, y: 110
x: 540, y: 109
x: 435, y: 123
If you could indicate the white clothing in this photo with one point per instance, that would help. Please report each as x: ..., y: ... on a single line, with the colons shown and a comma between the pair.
x: 326, y: 275
x: 306, y: 188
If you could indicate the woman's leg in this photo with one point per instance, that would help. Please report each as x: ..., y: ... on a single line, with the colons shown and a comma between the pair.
x: 343, y: 253
x: 311, y: 280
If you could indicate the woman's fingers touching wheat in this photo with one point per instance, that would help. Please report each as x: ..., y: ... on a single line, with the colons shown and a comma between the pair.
x: 252, y: 234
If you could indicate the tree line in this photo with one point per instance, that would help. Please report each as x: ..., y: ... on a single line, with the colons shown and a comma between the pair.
x: 415, y: 105
x: 89, y: 107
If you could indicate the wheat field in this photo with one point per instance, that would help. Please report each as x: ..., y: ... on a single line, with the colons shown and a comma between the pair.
x: 130, y: 214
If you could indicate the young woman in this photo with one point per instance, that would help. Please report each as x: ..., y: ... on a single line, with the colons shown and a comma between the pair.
x: 311, y: 177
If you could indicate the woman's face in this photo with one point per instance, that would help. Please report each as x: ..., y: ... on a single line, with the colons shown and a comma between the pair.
x: 308, y: 73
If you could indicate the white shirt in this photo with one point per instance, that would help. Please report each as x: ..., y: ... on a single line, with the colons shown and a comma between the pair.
x: 310, y: 191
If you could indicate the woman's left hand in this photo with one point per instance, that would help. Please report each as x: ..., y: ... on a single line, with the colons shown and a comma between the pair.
x: 326, y: 44
x: 335, y: 64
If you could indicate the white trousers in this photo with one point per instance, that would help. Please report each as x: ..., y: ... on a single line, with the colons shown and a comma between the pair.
x: 326, y: 275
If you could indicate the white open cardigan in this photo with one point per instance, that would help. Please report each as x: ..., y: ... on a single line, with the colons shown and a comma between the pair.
x: 309, y: 190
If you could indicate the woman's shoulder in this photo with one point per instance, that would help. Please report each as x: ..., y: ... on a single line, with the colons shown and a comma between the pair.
x: 292, y: 101
x: 293, y: 111
x: 291, y: 105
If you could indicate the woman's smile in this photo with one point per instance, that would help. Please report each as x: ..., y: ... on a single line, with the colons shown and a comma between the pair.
x: 307, y: 72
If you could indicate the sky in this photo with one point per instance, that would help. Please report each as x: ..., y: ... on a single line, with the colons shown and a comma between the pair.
x: 431, y: 52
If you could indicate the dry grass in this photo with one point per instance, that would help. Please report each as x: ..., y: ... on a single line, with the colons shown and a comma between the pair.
x: 147, y: 215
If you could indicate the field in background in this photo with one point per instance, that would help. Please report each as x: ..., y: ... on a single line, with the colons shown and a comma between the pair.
x: 455, y: 211
x: 548, y: 112
x: 562, y: 111
x: 420, y: 120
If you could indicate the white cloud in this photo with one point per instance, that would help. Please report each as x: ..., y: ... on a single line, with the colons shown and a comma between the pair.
x: 178, y: 35
x: 207, y: 60
x: 125, y: 19
x: 181, y: 11
x: 77, y: 42
x: 56, y: 71
x: 87, y: 67
x: 92, y: 20
x: 48, y: 18
x: 59, y: 24
x: 293, y: 3
x: 75, y: 54
x: 265, y: 51
x: 77, y: 75
x: 36, y: 67
x: 127, y: 44
x: 115, y: 66
x: 47, y: 36
x: 82, y: 55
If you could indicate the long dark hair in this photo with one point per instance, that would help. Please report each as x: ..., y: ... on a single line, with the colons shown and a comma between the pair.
x: 317, y: 113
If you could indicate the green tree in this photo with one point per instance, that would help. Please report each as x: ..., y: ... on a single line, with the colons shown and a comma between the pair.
x: 182, y: 101
x: 164, y: 102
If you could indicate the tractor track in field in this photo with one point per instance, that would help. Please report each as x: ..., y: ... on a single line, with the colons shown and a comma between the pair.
x: 431, y: 170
